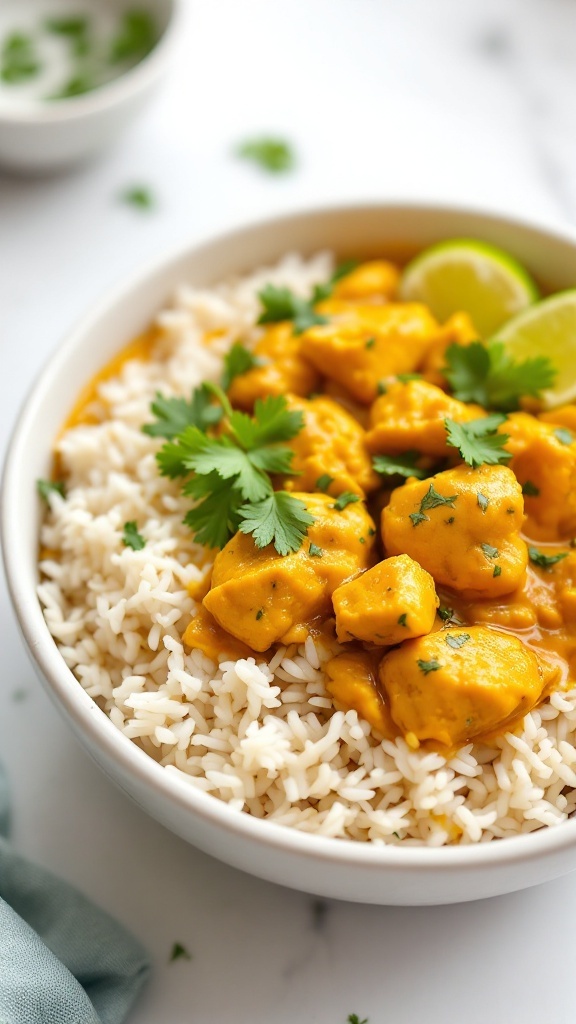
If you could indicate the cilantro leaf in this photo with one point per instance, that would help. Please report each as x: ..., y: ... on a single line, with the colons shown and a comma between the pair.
x: 47, y: 487
x: 18, y: 59
x: 179, y: 952
x: 490, y: 551
x: 563, y: 435
x: 456, y: 641
x: 173, y: 415
x: 315, y: 552
x: 445, y: 613
x: 271, y: 154
x: 139, y: 196
x: 530, y: 489
x: 238, y: 360
x: 400, y: 465
x: 486, y: 374
x: 353, y: 1018
x: 131, y: 538
x: 545, y: 561
x: 323, y: 482
x: 272, y: 422
x: 324, y: 290
x: 205, y: 455
x: 478, y: 441
x: 432, y: 499
x: 280, y: 519
x: 281, y: 304
x: 215, y: 518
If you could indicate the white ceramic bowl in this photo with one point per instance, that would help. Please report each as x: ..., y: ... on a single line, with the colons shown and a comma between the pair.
x: 329, y: 867
x: 45, y: 137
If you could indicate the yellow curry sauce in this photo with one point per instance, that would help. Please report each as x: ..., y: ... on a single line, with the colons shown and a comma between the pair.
x: 453, y: 615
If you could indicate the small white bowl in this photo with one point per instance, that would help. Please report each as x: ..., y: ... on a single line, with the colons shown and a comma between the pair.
x: 42, y: 137
x: 330, y: 867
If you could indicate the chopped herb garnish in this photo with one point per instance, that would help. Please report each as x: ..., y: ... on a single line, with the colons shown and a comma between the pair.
x: 139, y: 196
x: 490, y: 551
x: 381, y: 388
x: 315, y: 551
x: 238, y: 360
x: 179, y: 952
x: 564, y: 436
x: 281, y: 304
x: 323, y: 482
x: 428, y: 666
x: 478, y: 441
x: 353, y: 1018
x: 497, y: 570
x: 74, y: 28
x: 18, y: 59
x: 402, y: 619
x: 456, y: 641
x: 259, y: 614
x: 274, y: 155
x: 324, y: 290
x: 47, y: 487
x: 362, y: 540
x: 371, y: 531
x: 131, y: 538
x: 405, y: 378
x: 482, y: 500
x: 530, y: 489
x: 136, y: 37
x: 370, y: 343
x: 76, y: 85
x: 450, y: 520
x: 445, y: 613
x: 231, y: 482
x: 431, y: 500
x: 399, y: 465
x: 344, y: 499
x: 545, y: 561
x: 487, y: 375
x: 173, y: 415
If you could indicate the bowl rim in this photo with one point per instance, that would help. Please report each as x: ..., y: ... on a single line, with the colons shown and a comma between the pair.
x: 126, y: 85
x: 91, y: 720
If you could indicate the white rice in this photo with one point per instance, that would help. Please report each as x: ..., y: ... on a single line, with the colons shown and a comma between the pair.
x: 261, y: 735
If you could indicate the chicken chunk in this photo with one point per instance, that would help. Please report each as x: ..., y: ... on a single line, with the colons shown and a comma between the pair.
x: 352, y: 682
x: 410, y: 417
x: 331, y: 443
x: 375, y: 279
x: 392, y: 602
x: 362, y: 347
x: 204, y: 634
x: 463, y: 527
x: 461, y: 684
x: 544, y: 462
x: 259, y: 596
x: 283, y: 370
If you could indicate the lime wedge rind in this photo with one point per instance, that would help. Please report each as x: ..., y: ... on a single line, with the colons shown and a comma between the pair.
x: 471, y: 275
x: 547, y: 329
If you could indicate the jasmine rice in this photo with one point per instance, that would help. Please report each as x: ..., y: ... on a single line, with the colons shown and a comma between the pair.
x: 260, y: 733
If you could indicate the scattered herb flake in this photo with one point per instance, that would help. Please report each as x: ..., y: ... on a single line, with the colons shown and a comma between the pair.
x: 478, y: 441
x: 563, y: 435
x: 418, y: 517
x: 345, y: 499
x: 497, y: 570
x: 432, y: 499
x: 47, y: 487
x: 456, y: 641
x: 315, y: 552
x: 400, y: 465
x: 402, y: 620
x: 405, y: 378
x: 19, y: 60
x: 79, y: 83
x: 445, y: 613
x: 324, y: 290
x: 353, y: 1018
x: 487, y: 375
x: 381, y: 388
x: 428, y: 666
x: 545, y: 561
x: 370, y: 343
x: 490, y: 551
x: 323, y: 482
x: 68, y: 25
x: 281, y: 304
x: 482, y: 500
x: 139, y: 196
x: 371, y: 531
x: 179, y: 952
x: 259, y: 614
x: 271, y: 154
x: 530, y: 489
x: 131, y: 538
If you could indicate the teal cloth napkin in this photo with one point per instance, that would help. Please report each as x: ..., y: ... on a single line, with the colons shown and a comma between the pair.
x: 62, y: 960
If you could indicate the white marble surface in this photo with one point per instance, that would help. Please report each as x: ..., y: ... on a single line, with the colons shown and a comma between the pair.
x: 406, y: 98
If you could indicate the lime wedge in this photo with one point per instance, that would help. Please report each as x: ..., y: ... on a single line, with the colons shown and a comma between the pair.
x: 465, y: 274
x: 547, y: 329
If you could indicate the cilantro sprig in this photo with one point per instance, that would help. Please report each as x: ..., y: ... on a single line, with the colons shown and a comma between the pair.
x: 478, y: 441
x: 282, y: 304
x: 229, y: 476
x: 486, y: 374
